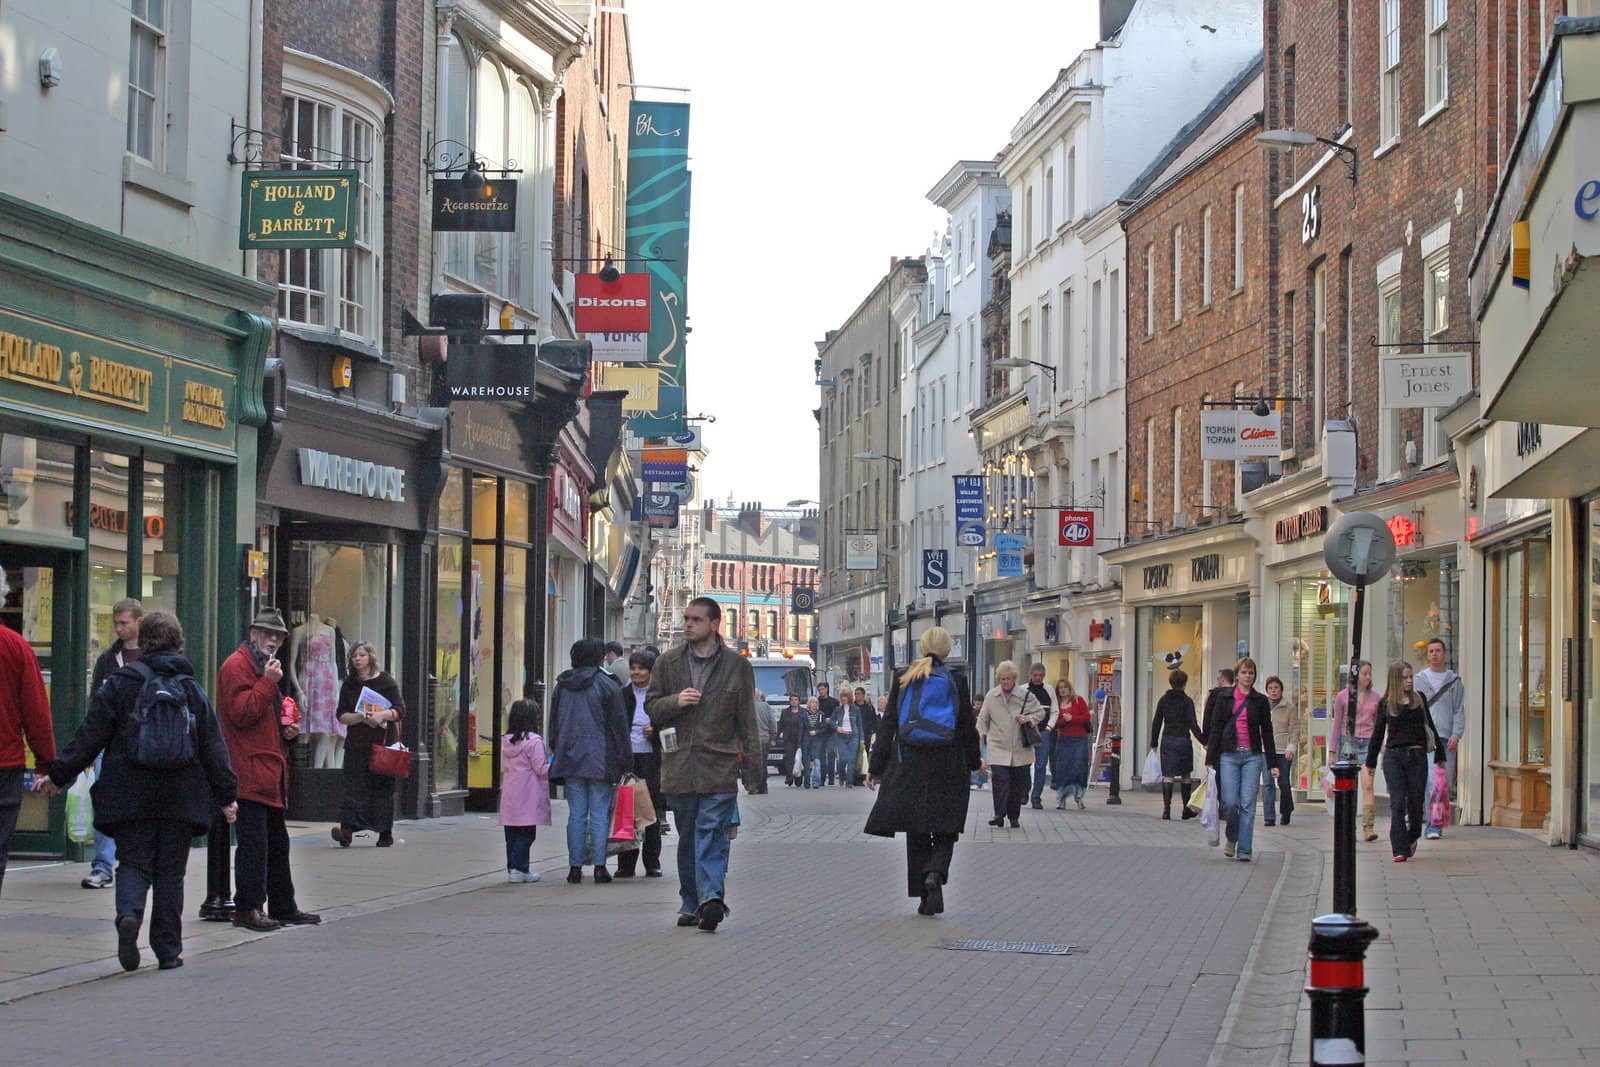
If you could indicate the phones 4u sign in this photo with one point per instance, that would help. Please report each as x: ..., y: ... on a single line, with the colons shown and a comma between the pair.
x: 1076, y: 529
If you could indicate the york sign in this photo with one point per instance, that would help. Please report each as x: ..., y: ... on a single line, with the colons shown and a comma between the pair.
x: 341, y: 474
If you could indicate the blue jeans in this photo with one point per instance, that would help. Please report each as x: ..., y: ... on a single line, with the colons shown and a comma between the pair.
x: 845, y: 747
x: 816, y: 752
x: 589, y: 803
x: 155, y: 855
x: 519, y: 845
x: 1279, y: 789
x: 702, y: 821
x: 1041, y: 765
x: 105, y: 848
x: 1450, y: 776
x: 1238, y: 778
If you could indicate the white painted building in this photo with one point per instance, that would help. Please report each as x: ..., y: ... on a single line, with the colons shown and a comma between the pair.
x: 939, y: 325
x: 1071, y: 156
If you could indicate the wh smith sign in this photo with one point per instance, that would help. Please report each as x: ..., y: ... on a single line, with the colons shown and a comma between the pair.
x: 620, y: 307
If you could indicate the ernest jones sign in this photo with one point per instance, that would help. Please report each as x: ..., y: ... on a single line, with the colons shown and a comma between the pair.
x: 298, y: 209
x: 1425, y: 380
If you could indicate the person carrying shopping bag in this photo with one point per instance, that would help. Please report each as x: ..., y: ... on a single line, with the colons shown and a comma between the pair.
x: 1241, y: 738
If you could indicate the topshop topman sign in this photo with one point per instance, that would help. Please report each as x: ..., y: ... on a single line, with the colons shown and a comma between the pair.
x: 297, y: 209
x: 1228, y: 433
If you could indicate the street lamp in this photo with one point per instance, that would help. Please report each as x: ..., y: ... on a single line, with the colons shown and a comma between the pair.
x: 1287, y: 139
x: 878, y: 455
x: 1017, y: 363
x: 801, y: 503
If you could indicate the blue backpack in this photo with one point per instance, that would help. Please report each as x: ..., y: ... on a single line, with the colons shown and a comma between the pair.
x: 927, y: 712
x: 161, y: 728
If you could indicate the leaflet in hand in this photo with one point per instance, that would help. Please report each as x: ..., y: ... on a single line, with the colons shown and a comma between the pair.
x: 370, y: 702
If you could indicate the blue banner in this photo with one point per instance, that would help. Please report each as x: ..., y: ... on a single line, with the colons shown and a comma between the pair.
x: 970, y: 529
x: 658, y: 244
x: 1008, y: 554
x: 935, y: 568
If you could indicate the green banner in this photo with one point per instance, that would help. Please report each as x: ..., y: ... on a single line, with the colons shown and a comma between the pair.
x: 298, y: 209
x: 658, y: 244
x: 93, y: 381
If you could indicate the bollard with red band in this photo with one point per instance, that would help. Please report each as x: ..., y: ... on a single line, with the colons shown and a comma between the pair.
x: 1114, y: 794
x: 1339, y: 941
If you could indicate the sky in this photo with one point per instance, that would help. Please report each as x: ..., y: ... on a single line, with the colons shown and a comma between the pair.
x: 816, y: 130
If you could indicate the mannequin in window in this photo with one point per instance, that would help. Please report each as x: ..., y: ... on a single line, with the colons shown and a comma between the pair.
x: 314, y: 660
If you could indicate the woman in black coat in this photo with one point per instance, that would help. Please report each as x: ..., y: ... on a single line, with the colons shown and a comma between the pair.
x: 152, y: 814
x: 925, y: 789
x: 789, y: 729
x: 1170, y: 731
x: 367, y: 800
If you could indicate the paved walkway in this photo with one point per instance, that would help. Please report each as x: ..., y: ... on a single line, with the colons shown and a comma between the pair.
x: 1179, y: 956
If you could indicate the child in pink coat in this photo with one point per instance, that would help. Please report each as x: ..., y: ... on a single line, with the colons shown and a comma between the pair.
x: 524, y: 788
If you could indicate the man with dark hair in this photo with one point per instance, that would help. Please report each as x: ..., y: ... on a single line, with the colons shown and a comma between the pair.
x: 702, y: 702
x: 125, y: 617
x: 1219, y: 701
x: 24, y: 712
x: 1447, y: 704
x: 1043, y: 752
x: 868, y: 715
x: 590, y: 752
x: 249, y: 706
x: 615, y: 662
x: 830, y: 713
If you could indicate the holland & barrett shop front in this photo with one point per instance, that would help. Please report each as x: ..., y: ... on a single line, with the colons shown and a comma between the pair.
x: 130, y: 389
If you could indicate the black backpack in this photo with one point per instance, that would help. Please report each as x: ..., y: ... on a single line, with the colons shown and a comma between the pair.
x: 162, y: 734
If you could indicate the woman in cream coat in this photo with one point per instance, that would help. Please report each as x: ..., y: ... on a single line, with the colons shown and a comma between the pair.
x: 1005, y: 708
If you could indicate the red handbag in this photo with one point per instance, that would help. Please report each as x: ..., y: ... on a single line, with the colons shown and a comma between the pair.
x: 392, y: 762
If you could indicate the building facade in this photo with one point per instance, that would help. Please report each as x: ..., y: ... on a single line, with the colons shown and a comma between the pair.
x: 752, y: 561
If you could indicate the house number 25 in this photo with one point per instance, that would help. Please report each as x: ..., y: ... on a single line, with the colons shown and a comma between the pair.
x: 1311, y: 215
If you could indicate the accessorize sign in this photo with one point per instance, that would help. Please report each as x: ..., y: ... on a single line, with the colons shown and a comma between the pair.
x: 1424, y: 380
x: 77, y: 376
x: 490, y: 208
x: 341, y: 474
x: 298, y: 209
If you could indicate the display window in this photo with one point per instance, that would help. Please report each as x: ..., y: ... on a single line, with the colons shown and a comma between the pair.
x: 1589, y: 816
x: 1314, y: 662
x: 1423, y: 601
x: 1170, y: 637
x: 1521, y: 645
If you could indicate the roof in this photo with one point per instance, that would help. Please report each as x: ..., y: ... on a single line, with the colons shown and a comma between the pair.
x: 1194, y: 128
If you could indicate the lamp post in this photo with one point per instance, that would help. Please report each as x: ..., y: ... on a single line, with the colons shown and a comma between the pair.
x: 1017, y: 363
x: 1286, y: 140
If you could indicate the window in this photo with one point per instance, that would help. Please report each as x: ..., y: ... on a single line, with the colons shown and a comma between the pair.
x: 1149, y: 290
x: 1067, y: 338
x: 1205, y: 470
x: 972, y: 360
x: 1114, y: 326
x: 957, y: 249
x: 1435, y: 323
x: 1389, y: 71
x: 1319, y: 354
x: 1027, y: 223
x: 1346, y: 64
x: 1046, y: 353
x: 960, y: 396
x: 1205, y: 257
x: 972, y: 240
x: 1177, y: 464
x: 1072, y: 184
x: 1388, y: 333
x: 1520, y: 695
x: 1238, y: 237
x: 333, y: 289
x: 1149, y: 470
x: 1438, y: 70
x: 1096, y: 341
x: 1177, y: 274
x: 1348, y: 290
x: 1049, y: 203
x: 147, y: 47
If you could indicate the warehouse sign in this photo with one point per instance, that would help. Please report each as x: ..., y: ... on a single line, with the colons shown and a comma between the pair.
x: 298, y: 209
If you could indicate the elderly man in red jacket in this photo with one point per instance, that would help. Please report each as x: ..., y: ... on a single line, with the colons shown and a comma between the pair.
x: 24, y: 712
x: 248, y: 704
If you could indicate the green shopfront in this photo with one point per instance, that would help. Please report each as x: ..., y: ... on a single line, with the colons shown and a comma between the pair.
x: 130, y: 390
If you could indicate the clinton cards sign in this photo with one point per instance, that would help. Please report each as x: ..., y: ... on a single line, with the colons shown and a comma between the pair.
x: 1226, y: 433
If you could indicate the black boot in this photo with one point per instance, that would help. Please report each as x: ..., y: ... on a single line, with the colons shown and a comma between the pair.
x: 1187, y: 789
x: 1166, y: 800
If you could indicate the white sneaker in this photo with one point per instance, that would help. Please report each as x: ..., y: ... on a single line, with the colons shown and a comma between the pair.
x: 531, y: 876
x: 1433, y: 835
x: 515, y: 877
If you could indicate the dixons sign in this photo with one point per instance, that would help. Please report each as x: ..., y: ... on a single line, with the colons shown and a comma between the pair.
x: 623, y: 306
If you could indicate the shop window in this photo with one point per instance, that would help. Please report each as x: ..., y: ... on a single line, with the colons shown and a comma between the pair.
x: 1170, y: 637
x: 447, y: 661
x: 1389, y: 442
x: 1589, y: 815
x: 452, y: 502
x: 158, y: 574
x: 1521, y: 635
x: 480, y: 653
x: 1422, y: 604
x: 1313, y: 663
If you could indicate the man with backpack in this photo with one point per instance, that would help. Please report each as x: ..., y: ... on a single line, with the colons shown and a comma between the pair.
x: 1447, y: 703
x: 249, y: 705
x: 925, y: 747
x: 164, y: 773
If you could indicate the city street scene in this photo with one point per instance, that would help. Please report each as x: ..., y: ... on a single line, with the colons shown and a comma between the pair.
x: 1106, y: 568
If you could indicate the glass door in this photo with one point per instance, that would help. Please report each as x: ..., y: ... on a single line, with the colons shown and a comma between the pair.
x: 38, y: 602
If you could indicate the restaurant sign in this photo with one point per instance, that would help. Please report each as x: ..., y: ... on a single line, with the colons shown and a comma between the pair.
x: 298, y: 209
x: 95, y: 381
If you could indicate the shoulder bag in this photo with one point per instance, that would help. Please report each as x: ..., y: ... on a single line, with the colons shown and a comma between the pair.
x: 391, y: 761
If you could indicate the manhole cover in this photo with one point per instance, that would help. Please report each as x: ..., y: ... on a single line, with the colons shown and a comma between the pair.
x: 1033, y: 948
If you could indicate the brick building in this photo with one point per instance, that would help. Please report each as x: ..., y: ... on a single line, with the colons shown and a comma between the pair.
x: 752, y: 561
x: 1195, y: 300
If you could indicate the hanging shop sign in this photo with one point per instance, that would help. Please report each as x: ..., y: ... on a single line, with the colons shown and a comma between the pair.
x: 357, y: 477
x: 1008, y: 554
x: 1424, y: 379
x: 803, y: 601
x: 1076, y: 529
x: 1052, y: 629
x: 861, y: 552
x: 657, y: 236
x: 1308, y: 523
x: 1099, y: 629
x: 970, y: 529
x: 1406, y: 533
x: 661, y: 511
x: 76, y: 376
x: 935, y: 568
x: 1229, y: 433
x: 665, y: 465
x: 297, y: 209
x: 490, y: 372
x: 622, y: 306
x: 489, y: 208
x: 619, y: 347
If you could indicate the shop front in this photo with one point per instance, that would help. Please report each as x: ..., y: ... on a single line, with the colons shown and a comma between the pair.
x: 1188, y: 597
x: 851, y: 643
x: 130, y: 394
x: 341, y: 524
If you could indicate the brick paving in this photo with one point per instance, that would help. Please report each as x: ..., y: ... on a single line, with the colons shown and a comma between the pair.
x: 1179, y: 957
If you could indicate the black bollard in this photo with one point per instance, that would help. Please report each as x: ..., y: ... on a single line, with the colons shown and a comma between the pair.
x: 1114, y: 795
x: 218, y: 905
x: 1339, y: 941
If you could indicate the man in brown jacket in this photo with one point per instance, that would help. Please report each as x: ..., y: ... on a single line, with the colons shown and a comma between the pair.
x: 702, y: 704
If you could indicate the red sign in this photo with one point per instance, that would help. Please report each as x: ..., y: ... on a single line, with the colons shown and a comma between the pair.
x: 1076, y: 529
x: 1404, y: 530
x: 620, y: 307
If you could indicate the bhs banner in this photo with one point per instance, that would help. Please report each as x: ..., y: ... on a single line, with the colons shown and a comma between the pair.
x: 658, y: 242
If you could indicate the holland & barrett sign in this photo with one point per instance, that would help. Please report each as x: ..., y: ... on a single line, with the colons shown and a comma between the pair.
x: 298, y: 209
